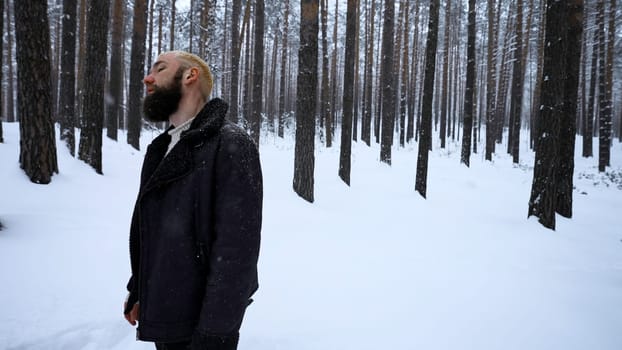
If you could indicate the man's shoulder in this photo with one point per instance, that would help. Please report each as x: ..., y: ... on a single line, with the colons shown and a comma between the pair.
x: 231, y: 132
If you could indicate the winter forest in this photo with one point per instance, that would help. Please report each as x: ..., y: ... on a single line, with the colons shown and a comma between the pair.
x: 371, y: 116
x: 386, y: 72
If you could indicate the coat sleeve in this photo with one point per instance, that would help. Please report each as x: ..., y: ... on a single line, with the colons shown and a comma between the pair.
x: 236, y: 210
x: 132, y: 284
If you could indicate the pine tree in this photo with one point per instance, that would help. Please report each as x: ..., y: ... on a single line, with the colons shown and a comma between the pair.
x: 255, y: 120
x: 116, y: 73
x: 236, y: 9
x: 348, y: 94
x: 555, y: 135
x: 68, y: 76
x: 37, y: 154
x: 1, y: 58
x: 425, y: 130
x: 90, y: 150
x: 469, y: 100
x: 282, y: 87
x: 517, y: 89
x: 304, y: 158
x: 388, y: 91
x: 134, y: 118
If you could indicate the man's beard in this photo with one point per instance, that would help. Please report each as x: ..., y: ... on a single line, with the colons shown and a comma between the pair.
x: 163, y: 101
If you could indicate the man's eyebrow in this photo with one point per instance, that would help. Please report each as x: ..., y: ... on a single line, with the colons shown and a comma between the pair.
x: 156, y: 64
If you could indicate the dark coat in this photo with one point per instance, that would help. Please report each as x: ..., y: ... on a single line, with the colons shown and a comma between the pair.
x: 194, y: 237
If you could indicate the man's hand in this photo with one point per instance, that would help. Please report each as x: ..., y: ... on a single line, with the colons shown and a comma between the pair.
x: 132, y: 316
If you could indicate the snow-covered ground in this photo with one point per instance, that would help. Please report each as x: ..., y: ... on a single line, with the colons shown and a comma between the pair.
x: 371, y: 266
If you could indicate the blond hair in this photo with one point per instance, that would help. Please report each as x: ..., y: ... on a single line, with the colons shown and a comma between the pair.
x: 189, y: 60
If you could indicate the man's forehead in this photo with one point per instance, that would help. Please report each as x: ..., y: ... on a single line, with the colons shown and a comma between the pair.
x: 165, y: 58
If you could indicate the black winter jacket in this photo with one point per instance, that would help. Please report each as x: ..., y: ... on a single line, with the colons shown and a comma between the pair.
x: 195, y: 232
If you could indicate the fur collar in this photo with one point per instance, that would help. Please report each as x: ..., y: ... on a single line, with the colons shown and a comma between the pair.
x: 158, y: 169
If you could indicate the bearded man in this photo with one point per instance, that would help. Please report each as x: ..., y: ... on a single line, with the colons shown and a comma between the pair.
x: 195, y: 231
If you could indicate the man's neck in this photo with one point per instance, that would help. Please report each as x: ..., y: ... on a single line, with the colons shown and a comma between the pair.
x: 188, y: 109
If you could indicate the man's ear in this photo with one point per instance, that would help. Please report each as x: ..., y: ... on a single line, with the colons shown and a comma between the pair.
x: 191, y: 75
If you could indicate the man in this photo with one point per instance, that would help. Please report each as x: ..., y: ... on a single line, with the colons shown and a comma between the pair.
x: 194, y: 237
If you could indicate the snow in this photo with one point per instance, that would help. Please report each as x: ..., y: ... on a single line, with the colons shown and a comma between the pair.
x: 371, y: 266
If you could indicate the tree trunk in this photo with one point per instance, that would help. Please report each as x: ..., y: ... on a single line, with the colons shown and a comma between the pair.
x: 37, y: 154
x: 403, y: 101
x: 535, y: 111
x: 68, y: 77
x: 563, y: 33
x: 410, y: 128
x: 150, y: 40
x: 134, y: 119
x: 81, y: 59
x: 367, y: 98
x: 388, y: 101
x: 95, y: 73
x: 160, y: 28
x: 330, y: 118
x: 304, y: 159
x: 589, y: 130
x: 605, y: 74
x: 470, y: 87
x: 191, y: 25
x: 348, y: 94
x: 10, y: 93
x: 444, y: 97
x: 491, y: 82
x: 235, y: 60
x: 284, y: 80
x: 171, y: 45
x: 568, y: 127
x: 325, y: 88
x: 425, y: 131
x: 357, y: 76
x: 1, y: 59
x: 255, y: 120
x: 517, y: 81
x: 116, y: 59
x: 248, y: 72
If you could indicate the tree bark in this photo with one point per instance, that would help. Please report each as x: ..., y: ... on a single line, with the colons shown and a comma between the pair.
x: 444, y: 97
x: 425, y: 130
x: 284, y: 81
x: 255, y: 120
x: 555, y: 135
x: 134, y: 119
x: 81, y: 59
x: 568, y: 127
x: 588, y: 135
x: 116, y: 74
x: 517, y: 81
x: 90, y: 150
x: 388, y: 106
x: 491, y: 82
x: 330, y: 117
x: 304, y: 158
x: 236, y: 10
x: 1, y: 59
x: 10, y: 93
x: 367, y: 99
x: 325, y: 88
x: 171, y: 45
x: 605, y: 74
x: 470, y: 88
x: 37, y: 140
x: 348, y: 94
x: 68, y: 78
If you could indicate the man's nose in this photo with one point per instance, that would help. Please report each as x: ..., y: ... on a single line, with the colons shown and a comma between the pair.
x: 148, y: 79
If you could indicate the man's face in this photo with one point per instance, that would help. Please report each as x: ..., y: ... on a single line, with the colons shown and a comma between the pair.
x: 163, y: 90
